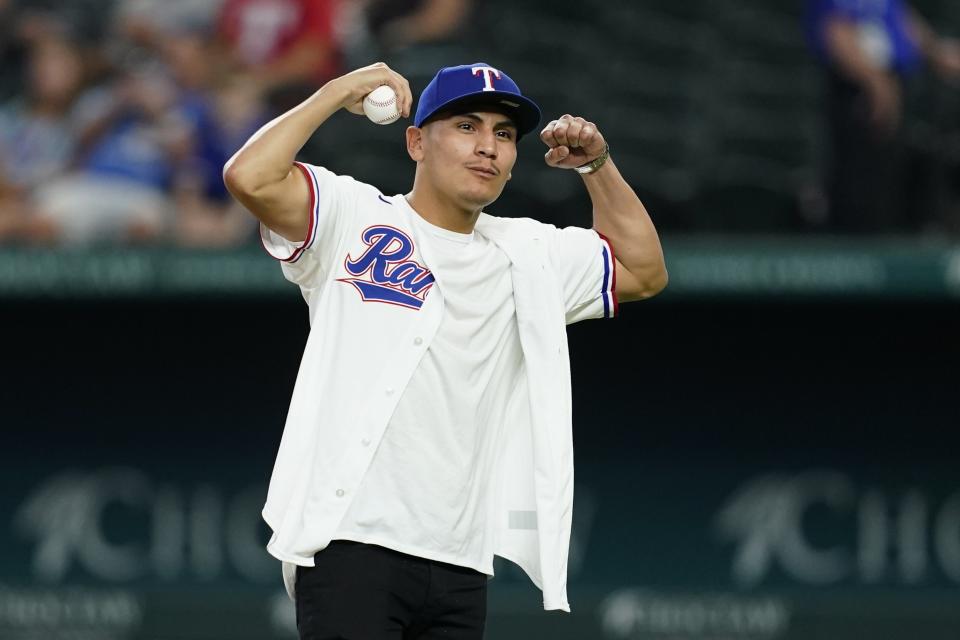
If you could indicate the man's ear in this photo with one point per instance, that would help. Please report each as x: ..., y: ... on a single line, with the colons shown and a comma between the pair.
x: 415, y: 143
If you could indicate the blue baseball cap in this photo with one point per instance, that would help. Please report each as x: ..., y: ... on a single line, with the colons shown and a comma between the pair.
x: 480, y: 84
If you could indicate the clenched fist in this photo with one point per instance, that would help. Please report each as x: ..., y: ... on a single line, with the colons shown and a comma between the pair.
x: 573, y: 141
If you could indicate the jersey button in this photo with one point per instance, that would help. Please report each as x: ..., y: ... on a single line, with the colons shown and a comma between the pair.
x: 339, y: 493
x: 389, y: 391
x: 365, y: 442
x: 418, y: 341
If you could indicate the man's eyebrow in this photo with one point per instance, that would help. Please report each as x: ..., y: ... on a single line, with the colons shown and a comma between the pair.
x: 499, y: 125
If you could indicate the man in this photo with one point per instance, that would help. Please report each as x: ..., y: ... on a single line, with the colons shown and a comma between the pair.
x: 282, y: 45
x: 430, y: 425
x: 869, y: 50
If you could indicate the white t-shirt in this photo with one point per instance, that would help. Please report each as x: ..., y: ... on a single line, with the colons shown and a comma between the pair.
x: 374, y: 312
x: 429, y: 488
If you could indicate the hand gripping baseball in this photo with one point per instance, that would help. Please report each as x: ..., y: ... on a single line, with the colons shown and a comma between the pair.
x: 360, y: 82
x: 572, y: 142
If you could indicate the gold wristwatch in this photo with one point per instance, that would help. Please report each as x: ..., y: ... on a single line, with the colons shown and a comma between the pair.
x: 594, y: 164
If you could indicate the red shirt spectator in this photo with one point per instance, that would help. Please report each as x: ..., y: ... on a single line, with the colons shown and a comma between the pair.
x: 282, y: 41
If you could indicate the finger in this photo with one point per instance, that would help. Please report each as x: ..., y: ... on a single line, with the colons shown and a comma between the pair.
x: 409, y: 103
x: 401, y: 94
x: 574, y: 130
x: 404, y: 95
x: 547, y: 134
x: 557, y: 155
x: 563, y: 127
x: 398, y: 87
x: 394, y: 83
x: 560, y: 132
x: 588, y: 134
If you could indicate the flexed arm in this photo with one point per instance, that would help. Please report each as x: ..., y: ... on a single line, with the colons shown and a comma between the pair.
x: 261, y: 174
x: 618, y: 213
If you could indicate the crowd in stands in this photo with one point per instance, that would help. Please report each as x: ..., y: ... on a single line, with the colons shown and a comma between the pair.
x: 871, y: 54
x: 117, y: 116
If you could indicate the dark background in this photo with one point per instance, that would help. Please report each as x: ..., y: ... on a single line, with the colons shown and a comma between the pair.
x: 678, y: 403
x: 766, y: 451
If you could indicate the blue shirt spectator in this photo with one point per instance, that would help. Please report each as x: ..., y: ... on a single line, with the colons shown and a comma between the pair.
x: 33, y: 148
x: 869, y: 49
x: 129, y: 150
x: 883, y: 27
x: 214, y: 140
x: 134, y: 130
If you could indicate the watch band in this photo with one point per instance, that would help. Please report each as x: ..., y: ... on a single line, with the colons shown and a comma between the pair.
x: 594, y: 164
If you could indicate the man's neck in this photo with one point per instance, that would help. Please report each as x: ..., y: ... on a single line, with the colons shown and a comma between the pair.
x: 440, y: 211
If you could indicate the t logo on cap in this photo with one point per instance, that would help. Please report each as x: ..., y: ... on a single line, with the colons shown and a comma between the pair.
x: 488, y: 73
x: 457, y: 88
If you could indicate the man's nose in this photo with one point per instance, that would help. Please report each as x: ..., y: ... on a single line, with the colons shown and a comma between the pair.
x: 487, y: 145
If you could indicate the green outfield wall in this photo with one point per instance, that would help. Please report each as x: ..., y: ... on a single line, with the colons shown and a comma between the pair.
x: 753, y: 466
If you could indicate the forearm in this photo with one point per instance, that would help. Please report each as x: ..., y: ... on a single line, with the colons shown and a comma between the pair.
x: 922, y: 34
x: 261, y: 174
x: 268, y: 155
x: 619, y: 215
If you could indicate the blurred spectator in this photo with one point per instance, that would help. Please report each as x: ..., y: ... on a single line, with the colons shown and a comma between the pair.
x: 81, y: 20
x: 130, y: 138
x: 139, y: 156
x: 870, y: 50
x: 147, y: 22
x: 38, y: 131
x: 405, y: 31
x: 11, y: 55
x: 220, y: 110
x: 25, y: 22
x: 221, y: 120
x: 287, y: 47
x: 397, y: 24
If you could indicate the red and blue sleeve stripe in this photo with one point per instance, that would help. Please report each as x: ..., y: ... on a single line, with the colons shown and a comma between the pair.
x: 313, y: 185
x: 609, y: 286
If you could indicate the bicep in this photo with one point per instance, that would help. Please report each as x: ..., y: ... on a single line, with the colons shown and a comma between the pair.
x: 627, y: 288
x: 283, y: 207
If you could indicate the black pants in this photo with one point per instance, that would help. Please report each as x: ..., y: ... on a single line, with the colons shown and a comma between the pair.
x: 365, y: 592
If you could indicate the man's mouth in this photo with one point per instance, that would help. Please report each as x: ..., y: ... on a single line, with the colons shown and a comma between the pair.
x: 487, y: 172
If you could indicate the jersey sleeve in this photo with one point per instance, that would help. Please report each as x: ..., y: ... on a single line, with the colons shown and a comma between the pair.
x: 584, y: 262
x: 332, y: 199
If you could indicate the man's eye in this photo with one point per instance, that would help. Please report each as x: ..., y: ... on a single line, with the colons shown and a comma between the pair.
x: 505, y: 135
x: 466, y: 126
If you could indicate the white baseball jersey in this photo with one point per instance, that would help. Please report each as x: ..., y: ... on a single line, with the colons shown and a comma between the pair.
x: 429, y: 491
x: 375, y: 307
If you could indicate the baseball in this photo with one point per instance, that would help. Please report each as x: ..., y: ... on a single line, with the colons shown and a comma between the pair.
x: 380, y: 105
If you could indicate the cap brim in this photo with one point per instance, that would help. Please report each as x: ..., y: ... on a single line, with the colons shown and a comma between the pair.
x: 523, y: 111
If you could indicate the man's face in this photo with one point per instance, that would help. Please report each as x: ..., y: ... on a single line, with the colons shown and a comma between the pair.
x: 469, y: 156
